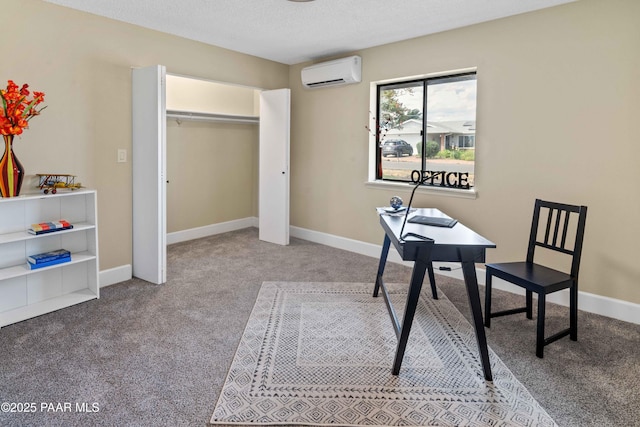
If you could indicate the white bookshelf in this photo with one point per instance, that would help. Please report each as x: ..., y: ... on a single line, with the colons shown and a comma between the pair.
x: 26, y: 293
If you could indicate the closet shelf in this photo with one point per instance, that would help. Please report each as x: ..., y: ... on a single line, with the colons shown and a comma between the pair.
x: 212, y: 117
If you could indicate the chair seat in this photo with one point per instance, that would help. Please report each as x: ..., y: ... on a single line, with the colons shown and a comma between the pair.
x: 534, y: 277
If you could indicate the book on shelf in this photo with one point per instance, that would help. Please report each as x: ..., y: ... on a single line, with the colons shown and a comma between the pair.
x: 48, y: 256
x: 49, y: 227
x: 49, y: 263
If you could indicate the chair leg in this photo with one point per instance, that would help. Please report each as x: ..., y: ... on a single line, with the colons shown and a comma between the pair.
x: 432, y: 280
x: 573, y: 312
x: 529, y: 305
x: 487, y: 301
x: 540, y: 335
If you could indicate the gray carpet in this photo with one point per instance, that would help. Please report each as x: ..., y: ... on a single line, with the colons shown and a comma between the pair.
x: 158, y: 355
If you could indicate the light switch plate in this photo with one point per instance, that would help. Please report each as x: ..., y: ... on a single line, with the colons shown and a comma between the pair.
x: 122, y: 155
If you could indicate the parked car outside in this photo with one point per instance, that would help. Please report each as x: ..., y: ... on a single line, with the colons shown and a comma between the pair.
x: 397, y: 148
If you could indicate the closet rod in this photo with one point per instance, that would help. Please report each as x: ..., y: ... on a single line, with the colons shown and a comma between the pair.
x: 212, y: 117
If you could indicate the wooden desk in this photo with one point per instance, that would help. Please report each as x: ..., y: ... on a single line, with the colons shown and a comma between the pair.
x: 456, y: 244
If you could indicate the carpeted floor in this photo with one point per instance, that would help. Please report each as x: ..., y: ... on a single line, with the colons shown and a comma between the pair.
x: 147, y: 355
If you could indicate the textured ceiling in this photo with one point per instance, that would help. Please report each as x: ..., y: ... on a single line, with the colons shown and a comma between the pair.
x: 294, y: 32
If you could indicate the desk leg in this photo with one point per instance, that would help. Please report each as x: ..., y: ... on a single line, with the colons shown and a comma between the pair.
x: 471, y: 282
x: 432, y: 280
x: 417, y: 277
x: 383, y: 262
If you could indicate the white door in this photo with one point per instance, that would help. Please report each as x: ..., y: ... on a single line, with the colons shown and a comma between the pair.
x: 149, y: 174
x: 275, y: 106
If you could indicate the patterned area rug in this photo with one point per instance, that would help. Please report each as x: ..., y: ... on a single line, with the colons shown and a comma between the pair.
x: 321, y: 354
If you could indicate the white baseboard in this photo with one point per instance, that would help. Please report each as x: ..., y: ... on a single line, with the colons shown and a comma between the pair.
x: 210, y: 230
x: 115, y: 275
x: 605, y: 306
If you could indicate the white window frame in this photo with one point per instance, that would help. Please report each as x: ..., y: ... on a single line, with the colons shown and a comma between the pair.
x: 372, y: 182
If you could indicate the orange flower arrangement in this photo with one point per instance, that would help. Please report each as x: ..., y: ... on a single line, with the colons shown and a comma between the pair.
x: 17, y: 108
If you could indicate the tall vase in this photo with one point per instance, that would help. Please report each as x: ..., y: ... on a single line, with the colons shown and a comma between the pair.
x: 11, y: 170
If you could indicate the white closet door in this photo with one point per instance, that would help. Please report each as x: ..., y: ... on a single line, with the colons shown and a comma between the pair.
x: 275, y: 106
x: 149, y: 174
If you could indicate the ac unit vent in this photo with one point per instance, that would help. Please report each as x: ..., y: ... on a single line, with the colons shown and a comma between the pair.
x: 327, y: 83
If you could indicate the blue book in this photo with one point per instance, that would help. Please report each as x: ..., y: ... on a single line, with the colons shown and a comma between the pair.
x: 50, y: 263
x: 48, y: 256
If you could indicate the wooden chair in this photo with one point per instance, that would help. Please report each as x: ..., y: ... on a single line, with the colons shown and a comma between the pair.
x: 540, y: 279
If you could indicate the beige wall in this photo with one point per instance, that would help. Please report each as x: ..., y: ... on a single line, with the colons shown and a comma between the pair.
x: 558, y: 107
x: 558, y: 104
x: 195, y: 95
x: 211, y: 172
x: 83, y: 64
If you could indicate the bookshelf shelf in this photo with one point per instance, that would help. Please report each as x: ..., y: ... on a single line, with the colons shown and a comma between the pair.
x: 26, y: 293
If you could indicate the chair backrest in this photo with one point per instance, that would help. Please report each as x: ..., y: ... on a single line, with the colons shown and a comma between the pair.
x: 556, y: 228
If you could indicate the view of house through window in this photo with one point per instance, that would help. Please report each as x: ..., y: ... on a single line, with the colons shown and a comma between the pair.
x: 428, y: 125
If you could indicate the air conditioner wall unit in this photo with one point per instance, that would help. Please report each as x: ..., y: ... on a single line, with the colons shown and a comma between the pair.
x: 342, y: 71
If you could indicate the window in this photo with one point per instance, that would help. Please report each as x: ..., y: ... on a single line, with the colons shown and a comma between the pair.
x: 427, y: 125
